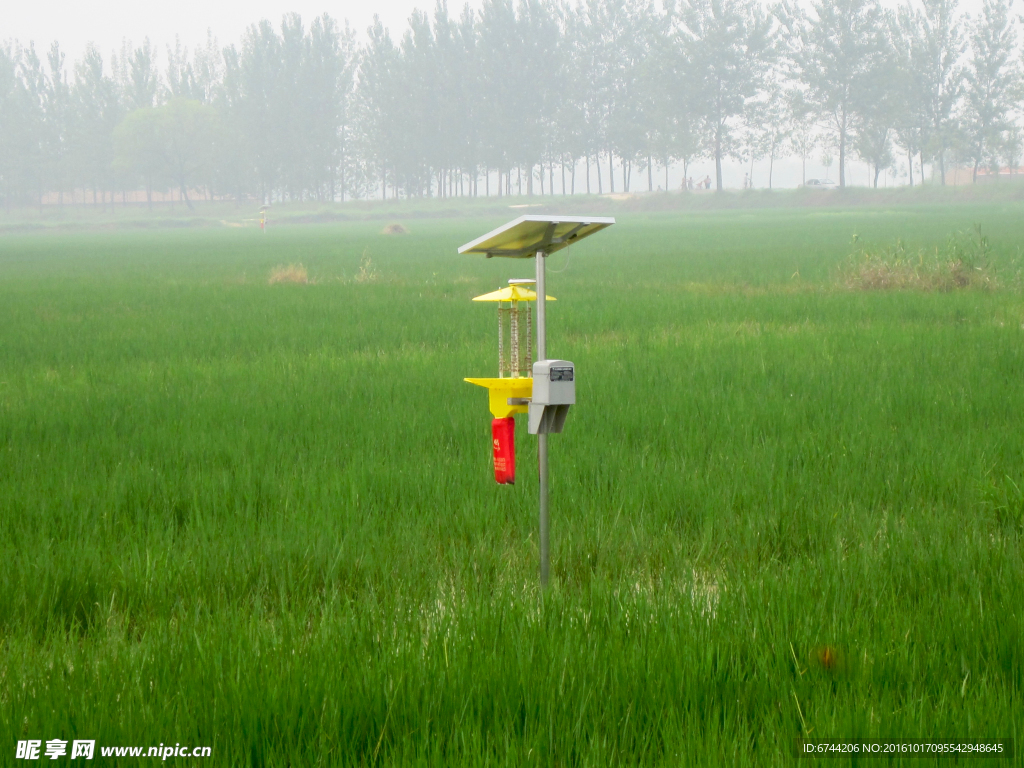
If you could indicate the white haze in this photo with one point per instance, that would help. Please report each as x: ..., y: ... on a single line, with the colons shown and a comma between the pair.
x: 108, y: 23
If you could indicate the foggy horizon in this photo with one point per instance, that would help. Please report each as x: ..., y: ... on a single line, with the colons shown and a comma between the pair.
x: 516, y: 96
x: 75, y: 25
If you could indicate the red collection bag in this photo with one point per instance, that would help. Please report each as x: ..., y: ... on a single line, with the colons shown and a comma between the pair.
x: 504, y: 433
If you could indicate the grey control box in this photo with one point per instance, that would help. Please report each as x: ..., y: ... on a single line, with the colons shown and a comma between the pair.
x: 554, y: 390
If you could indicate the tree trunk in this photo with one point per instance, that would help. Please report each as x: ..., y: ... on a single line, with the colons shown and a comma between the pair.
x: 842, y: 151
x: 771, y: 166
x: 563, y: 177
x: 877, y: 171
x: 910, y: 166
x: 718, y: 157
x: 184, y: 194
x: 611, y: 173
x: 650, y: 175
x: 588, y: 172
x: 597, y: 165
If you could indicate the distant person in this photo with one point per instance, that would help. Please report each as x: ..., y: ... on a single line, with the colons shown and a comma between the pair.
x: 689, y: 183
x: 746, y: 181
x: 707, y: 182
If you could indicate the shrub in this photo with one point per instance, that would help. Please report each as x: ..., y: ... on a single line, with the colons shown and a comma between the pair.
x: 292, y: 273
x: 962, y: 262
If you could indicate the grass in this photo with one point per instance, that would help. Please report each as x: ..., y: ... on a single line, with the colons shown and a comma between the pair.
x: 985, y: 197
x: 961, y: 262
x: 261, y: 517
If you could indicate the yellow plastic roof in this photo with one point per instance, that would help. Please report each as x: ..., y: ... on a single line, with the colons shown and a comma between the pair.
x: 512, y: 293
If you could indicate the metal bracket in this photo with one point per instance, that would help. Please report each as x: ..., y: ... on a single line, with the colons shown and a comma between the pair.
x: 518, y: 401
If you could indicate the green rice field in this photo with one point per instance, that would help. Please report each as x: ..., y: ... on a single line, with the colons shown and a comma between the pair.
x: 262, y: 517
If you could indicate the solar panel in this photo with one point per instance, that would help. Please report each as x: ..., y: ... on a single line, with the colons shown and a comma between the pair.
x: 522, y: 238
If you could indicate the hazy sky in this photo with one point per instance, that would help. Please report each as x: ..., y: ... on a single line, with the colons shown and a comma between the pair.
x: 106, y: 22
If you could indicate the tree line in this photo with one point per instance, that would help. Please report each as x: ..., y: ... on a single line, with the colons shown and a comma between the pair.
x: 524, y: 97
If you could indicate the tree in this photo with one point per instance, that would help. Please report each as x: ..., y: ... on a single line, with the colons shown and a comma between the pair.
x: 589, y: 85
x: 379, y: 96
x: 803, y: 136
x: 329, y: 78
x: 140, y: 151
x: 769, y: 123
x: 930, y: 50
x: 17, y: 143
x: 56, y: 117
x: 992, y: 80
x: 875, y: 121
x: 143, y: 81
x: 873, y: 136
x: 96, y: 111
x: 255, y: 87
x: 34, y: 126
x: 628, y: 39
x: 172, y: 143
x: 188, y: 130
x: 518, y: 57
x: 835, y: 53
x: 729, y: 42
x: 426, y: 147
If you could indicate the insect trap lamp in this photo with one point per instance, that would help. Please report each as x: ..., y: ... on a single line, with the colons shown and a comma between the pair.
x: 540, y: 387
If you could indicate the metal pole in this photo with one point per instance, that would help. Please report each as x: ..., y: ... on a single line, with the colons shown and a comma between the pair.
x: 501, y: 345
x: 542, y: 439
x: 517, y: 364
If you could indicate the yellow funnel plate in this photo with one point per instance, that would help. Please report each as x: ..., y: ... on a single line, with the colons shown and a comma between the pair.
x: 512, y: 293
x: 500, y: 390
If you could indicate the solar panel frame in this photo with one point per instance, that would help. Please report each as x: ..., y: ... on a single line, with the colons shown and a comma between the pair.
x: 523, y: 237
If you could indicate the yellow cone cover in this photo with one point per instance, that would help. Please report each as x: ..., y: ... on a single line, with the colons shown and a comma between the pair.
x: 512, y: 293
x: 500, y: 390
